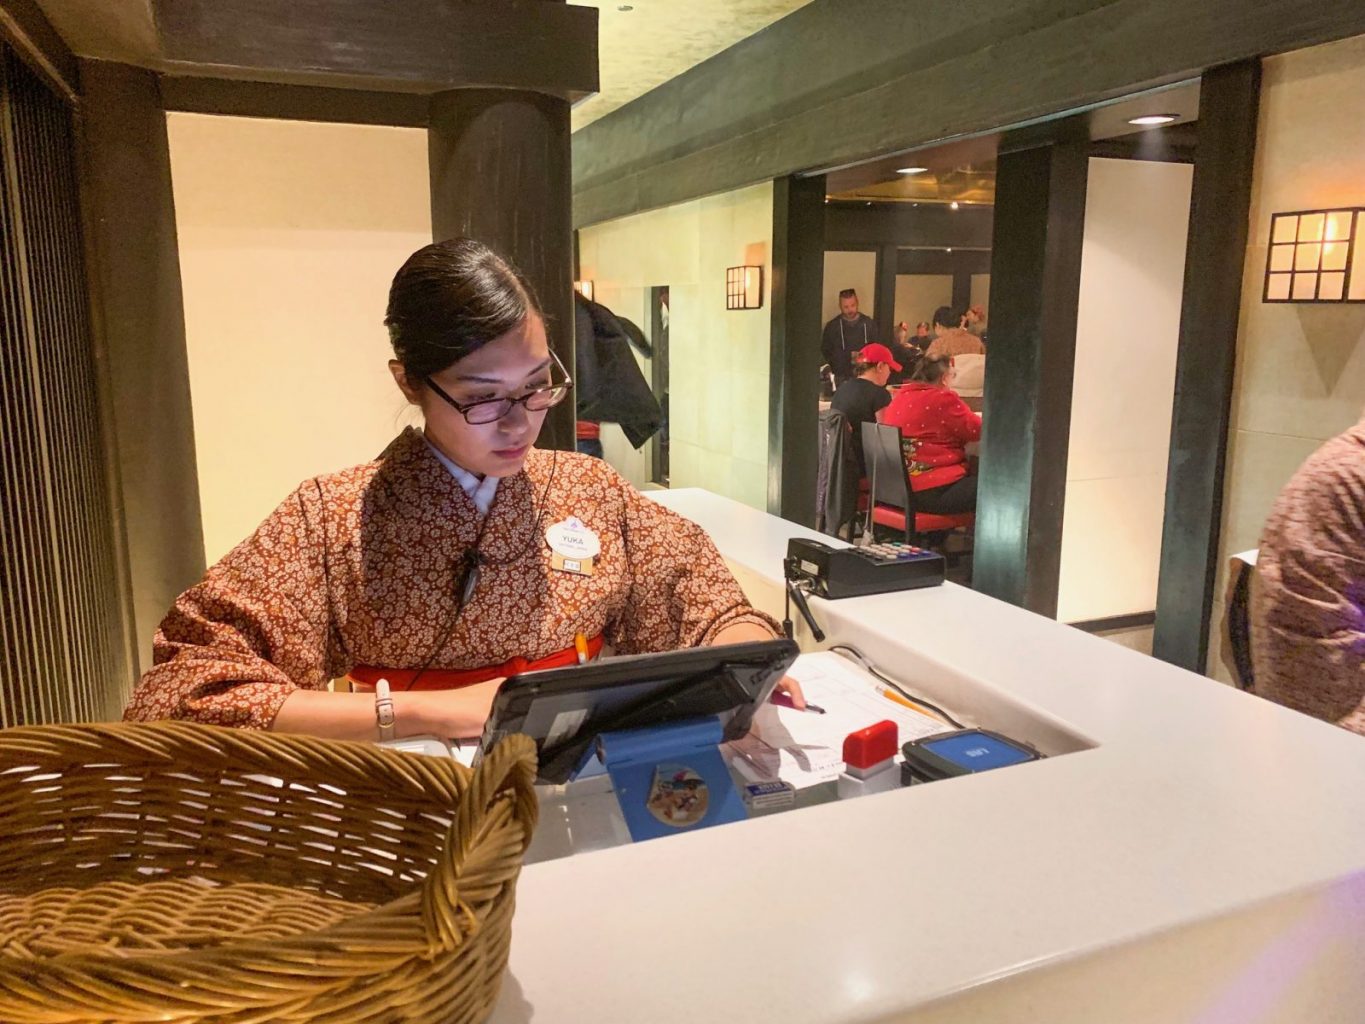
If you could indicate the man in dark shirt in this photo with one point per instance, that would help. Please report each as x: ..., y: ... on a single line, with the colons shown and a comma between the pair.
x: 862, y: 397
x: 845, y: 335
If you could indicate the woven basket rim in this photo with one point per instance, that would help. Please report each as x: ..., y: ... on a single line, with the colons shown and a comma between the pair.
x: 52, y: 747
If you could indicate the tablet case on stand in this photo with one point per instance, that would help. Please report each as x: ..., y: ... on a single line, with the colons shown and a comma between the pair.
x: 671, y: 778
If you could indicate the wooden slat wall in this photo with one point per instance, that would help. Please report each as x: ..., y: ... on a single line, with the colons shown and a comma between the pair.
x: 62, y: 651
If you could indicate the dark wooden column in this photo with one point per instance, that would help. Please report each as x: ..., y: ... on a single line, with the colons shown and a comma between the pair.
x: 1210, y: 305
x: 139, y: 328
x: 794, y: 356
x: 1035, y: 287
x: 888, y: 263
x: 499, y: 164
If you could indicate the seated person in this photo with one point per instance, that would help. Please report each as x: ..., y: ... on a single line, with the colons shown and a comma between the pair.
x: 936, y: 426
x: 903, y: 348
x: 1307, y: 620
x: 431, y: 567
x: 950, y: 338
x: 864, y: 395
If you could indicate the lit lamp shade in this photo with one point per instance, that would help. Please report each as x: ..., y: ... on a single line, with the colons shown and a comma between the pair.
x: 743, y: 287
x: 584, y: 288
x: 1315, y: 256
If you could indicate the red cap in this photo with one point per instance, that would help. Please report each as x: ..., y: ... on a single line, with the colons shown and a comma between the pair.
x: 870, y: 746
x: 878, y: 353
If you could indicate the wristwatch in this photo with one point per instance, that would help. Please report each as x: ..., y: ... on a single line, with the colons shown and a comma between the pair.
x: 383, y: 710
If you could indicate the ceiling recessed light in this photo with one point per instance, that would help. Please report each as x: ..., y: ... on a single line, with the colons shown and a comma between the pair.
x: 948, y: 250
x: 1151, y: 119
x: 912, y: 170
x: 953, y: 205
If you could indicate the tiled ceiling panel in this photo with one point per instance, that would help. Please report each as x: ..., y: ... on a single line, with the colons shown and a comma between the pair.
x: 656, y: 40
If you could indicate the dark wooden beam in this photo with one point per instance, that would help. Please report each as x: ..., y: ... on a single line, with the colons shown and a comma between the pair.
x: 888, y: 265
x: 139, y: 325
x: 794, y: 355
x: 780, y: 102
x: 906, y: 225
x: 25, y: 27
x: 1035, y: 292
x: 962, y: 288
x: 293, y: 102
x: 422, y: 46
x: 938, y: 261
x: 1210, y: 307
x: 499, y: 166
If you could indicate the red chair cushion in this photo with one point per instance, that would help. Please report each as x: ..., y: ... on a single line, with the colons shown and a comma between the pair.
x: 925, y: 522
x: 884, y: 516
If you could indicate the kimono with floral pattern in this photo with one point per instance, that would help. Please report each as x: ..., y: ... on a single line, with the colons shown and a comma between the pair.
x: 361, y: 567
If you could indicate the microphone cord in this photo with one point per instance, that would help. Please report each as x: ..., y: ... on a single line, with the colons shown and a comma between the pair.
x: 468, y: 579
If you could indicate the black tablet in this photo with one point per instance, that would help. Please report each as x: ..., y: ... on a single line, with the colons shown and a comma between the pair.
x: 565, y: 709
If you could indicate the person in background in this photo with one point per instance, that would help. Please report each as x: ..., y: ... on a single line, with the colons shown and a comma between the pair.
x: 922, y: 336
x: 846, y: 334
x: 903, y: 349
x: 936, y: 426
x: 974, y: 321
x: 950, y: 339
x: 1307, y: 616
x: 860, y: 398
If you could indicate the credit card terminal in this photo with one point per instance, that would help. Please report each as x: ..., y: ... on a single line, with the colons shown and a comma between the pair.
x: 852, y: 572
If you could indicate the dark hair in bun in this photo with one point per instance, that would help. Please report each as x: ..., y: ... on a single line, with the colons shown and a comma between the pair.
x: 450, y: 299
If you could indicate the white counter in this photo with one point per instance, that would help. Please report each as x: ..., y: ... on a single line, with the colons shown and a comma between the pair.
x: 1205, y: 861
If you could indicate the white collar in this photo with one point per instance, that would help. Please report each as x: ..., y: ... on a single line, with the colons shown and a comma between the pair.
x: 480, y: 491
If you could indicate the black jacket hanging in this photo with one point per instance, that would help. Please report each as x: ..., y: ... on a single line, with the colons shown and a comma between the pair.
x: 608, y: 384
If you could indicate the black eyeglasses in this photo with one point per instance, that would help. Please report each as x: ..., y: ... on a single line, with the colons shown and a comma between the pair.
x: 491, y: 409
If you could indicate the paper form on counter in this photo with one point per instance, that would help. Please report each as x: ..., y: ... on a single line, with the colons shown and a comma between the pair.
x: 805, y: 748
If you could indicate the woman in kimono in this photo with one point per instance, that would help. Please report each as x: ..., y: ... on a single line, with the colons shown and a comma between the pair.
x: 460, y: 556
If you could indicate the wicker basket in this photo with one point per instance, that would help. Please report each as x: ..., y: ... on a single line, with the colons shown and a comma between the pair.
x: 187, y: 873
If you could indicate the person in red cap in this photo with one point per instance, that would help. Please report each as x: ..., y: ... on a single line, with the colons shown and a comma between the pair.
x: 864, y: 395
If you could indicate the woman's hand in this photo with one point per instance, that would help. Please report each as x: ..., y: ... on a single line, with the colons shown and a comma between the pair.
x: 450, y: 714
x: 748, y: 632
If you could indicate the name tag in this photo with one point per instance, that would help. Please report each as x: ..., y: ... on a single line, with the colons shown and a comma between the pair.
x: 574, y: 548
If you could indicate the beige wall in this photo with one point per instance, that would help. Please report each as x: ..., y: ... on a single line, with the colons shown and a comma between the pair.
x: 1128, y: 325
x: 849, y: 269
x: 1300, y: 369
x: 289, y: 235
x: 918, y: 295
x: 718, y: 359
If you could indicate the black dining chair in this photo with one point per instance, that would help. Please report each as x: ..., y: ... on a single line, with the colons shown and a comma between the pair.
x: 892, y: 500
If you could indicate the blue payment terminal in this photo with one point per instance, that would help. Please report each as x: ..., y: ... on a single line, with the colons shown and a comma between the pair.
x: 964, y: 752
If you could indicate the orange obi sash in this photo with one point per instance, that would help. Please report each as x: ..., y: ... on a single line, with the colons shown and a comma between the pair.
x: 363, y: 677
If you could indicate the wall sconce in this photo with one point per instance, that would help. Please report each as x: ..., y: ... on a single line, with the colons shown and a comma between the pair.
x: 743, y: 287
x: 584, y: 288
x: 1315, y: 256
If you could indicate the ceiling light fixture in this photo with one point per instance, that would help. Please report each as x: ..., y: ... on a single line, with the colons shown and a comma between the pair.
x: 1151, y: 119
x: 912, y: 170
x: 623, y: 8
x: 953, y: 205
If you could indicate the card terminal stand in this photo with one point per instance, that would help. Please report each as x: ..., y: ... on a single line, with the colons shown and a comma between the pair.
x: 671, y: 778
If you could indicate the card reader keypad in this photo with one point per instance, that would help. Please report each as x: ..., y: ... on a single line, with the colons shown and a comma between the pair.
x: 893, y: 551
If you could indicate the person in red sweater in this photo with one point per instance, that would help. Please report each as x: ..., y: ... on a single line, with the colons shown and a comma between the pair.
x: 936, y: 426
